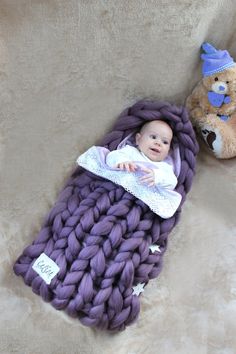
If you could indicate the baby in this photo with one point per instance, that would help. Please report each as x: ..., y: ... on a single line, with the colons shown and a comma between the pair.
x: 153, y: 145
x: 145, y: 170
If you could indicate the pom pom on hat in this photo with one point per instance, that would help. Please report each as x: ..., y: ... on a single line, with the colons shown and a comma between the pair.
x: 215, y: 60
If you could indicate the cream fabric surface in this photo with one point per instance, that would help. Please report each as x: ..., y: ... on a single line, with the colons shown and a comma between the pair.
x: 67, y: 69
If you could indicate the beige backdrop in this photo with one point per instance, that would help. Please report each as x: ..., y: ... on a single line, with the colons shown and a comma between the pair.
x: 67, y: 69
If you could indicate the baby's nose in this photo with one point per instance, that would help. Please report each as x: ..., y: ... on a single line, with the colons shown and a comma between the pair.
x: 157, y: 142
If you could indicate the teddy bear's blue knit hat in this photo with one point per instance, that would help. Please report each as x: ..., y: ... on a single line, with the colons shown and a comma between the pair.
x: 215, y: 60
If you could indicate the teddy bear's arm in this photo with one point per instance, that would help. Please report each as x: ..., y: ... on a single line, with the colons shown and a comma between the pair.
x: 197, y: 114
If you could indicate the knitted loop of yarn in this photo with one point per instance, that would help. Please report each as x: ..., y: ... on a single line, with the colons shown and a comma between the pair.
x: 99, y: 234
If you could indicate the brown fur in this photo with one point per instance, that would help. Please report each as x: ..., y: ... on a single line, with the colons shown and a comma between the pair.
x: 204, y: 115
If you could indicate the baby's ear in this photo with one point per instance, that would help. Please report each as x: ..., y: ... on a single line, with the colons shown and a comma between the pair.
x: 137, y: 138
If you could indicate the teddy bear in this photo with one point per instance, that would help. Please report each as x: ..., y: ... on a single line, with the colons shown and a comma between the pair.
x: 212, y: 104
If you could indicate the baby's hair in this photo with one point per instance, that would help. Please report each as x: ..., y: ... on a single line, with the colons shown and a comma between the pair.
x: 159, y: 120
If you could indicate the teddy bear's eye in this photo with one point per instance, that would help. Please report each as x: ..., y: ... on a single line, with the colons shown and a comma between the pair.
x: 216, y: 78
x: 227, y: 82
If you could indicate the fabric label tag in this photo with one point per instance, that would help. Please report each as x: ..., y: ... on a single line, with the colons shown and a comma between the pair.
x: 46, y: 268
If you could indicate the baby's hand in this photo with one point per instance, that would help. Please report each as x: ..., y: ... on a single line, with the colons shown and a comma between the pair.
x: 149, y: 177
x: 128, y: 166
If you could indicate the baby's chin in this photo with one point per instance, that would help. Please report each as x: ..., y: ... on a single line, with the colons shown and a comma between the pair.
x: 155, y: 157
x: 156, y: 160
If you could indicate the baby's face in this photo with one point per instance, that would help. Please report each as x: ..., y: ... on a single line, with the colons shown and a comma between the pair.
x: 154, y: 140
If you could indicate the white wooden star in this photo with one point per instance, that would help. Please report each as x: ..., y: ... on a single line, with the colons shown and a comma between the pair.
x: 137, y: 289
x: 154, y: 248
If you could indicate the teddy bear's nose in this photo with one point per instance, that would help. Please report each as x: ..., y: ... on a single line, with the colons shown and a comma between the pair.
x: 221, y: 88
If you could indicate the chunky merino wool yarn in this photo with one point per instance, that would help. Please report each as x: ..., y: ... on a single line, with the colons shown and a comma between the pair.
x: 99, y: 234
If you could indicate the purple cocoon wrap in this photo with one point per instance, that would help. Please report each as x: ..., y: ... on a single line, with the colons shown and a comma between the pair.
x: 99, y: 234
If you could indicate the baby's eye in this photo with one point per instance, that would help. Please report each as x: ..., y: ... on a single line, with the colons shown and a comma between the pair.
x: 166, y: 142
x: 152, y: 136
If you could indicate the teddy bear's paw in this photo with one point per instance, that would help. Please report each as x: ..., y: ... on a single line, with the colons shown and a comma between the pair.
x: 213, y: 139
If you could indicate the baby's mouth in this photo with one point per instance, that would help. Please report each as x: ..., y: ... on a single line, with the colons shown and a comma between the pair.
x: 155, y: 150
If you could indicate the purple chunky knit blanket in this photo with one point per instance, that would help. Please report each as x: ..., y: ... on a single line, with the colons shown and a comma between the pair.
x: 99, y: 235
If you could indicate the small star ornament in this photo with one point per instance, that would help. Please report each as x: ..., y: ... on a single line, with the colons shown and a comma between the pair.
x: 154, y: 248
x: 138, y: 289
